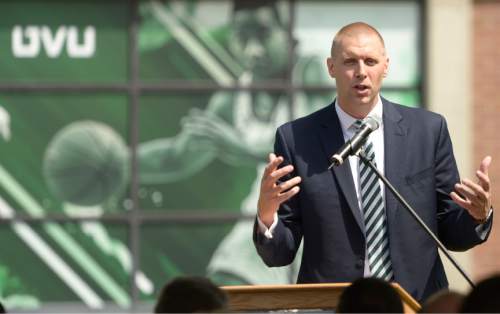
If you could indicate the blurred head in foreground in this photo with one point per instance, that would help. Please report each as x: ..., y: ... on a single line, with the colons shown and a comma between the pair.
x: 444, y: 301
x: 370, y: 295
x: 190, y: 295
x: 484, y: 297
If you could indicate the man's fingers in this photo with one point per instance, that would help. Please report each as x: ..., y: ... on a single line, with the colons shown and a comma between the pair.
x: 476, y: 188
x: 479, y: 198
x: 281, y: 172
x: 288, y: 194
x: 484, y: 180
x: 459, y: 200
x: 272, y: 165
x: 271, y: 157
x: 472, y: 197
x: 482, y: 173
x: 271, y: 179
x: 485, y: 164
x: 474, y: 209
x: 466, y: 191
x: 288, y: 184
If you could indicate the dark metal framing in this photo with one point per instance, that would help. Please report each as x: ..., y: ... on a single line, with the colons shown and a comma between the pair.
x: 134, y: 88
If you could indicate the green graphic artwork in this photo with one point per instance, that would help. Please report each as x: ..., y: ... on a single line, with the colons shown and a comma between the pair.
x: 193, y: 93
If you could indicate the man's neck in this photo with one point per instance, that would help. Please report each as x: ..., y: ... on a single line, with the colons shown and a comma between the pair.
x: 358, y: 111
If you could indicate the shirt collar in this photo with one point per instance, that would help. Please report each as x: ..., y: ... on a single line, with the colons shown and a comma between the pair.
x: 347, y: 121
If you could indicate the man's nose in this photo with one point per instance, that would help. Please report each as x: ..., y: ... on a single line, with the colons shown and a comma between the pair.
x: 360, y: 70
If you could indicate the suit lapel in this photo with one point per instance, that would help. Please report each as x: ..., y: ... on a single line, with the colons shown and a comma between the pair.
x: 394, y: 146
x: 332, y: 138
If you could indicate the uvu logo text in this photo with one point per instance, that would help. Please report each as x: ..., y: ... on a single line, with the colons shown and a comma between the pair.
x: 28, y: 41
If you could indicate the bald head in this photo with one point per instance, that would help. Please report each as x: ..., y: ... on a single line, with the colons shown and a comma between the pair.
x: 354, y: 30
x: 358, y: 64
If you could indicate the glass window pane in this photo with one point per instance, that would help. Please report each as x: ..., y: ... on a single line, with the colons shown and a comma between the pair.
x: 64, y: 153
x: 318, y: 21
x: 213, y: 41
x: 206, y: 150
x: 79, y: 264
x: 60, y: 41
x: 306, y: 102
x: 222, y: 251
x: 410, y: 98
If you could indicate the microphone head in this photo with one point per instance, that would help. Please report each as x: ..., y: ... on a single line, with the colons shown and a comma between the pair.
x: 371, y: 122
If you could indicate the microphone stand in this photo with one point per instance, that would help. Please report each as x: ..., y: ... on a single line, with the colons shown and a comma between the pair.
x: 361, y: 154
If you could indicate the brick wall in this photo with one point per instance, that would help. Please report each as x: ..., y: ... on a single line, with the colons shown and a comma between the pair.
x: 486, y: 119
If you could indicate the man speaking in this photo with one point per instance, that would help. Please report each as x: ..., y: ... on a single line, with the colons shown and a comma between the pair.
x: 351, y: 226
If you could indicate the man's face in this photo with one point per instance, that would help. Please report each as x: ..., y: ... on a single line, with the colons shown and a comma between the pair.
x: 359, y: 65
x: 260, y: 42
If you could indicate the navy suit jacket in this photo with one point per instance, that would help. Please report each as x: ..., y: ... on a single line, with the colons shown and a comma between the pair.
x: 419, y: 162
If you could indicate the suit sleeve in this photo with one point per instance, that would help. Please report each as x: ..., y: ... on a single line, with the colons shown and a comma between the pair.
x: 456, y: 228
x: 281, y: 249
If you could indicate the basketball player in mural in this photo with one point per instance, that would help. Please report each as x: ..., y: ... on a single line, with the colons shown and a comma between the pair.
x: 236, y: 128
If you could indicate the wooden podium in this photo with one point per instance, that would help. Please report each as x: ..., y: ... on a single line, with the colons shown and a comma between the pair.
x: 299, y: 296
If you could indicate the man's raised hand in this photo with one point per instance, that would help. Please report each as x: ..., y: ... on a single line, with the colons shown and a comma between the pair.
x: 273, y: 192
x: 475, y: 197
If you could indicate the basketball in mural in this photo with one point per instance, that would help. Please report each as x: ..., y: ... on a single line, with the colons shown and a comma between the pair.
x: 85, y: 163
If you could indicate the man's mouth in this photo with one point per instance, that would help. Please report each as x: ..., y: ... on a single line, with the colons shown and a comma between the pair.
x: 361, y: 87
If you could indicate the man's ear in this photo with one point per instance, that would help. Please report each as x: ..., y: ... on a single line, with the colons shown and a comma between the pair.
x: 386, y: 68
x: 330, y: 66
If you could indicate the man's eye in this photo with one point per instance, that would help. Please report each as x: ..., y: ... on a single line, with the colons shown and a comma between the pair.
x: 349, y: 62
x: 371, y: 62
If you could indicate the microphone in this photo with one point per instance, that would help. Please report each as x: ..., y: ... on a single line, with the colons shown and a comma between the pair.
x: 352, y: 146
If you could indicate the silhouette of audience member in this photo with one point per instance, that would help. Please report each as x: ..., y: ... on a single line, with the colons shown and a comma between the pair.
x: 443, y: 301
x: 190, y: 295
x: 484, y: 298
x: 2, y: 309
x: 370, y: 295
